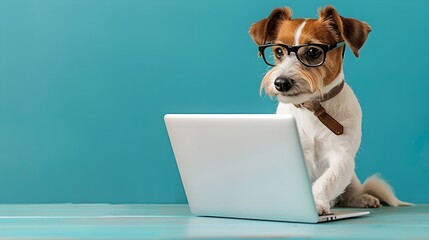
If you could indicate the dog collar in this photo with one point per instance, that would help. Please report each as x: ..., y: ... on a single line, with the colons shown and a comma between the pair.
x: 320, y: 112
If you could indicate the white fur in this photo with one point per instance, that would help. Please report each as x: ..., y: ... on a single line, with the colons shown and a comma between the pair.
x: 380, y: 189
x: 298, y: 32
x: 330, y: 158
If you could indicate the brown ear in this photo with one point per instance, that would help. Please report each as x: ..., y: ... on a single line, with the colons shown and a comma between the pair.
x: 266, y: 29
x: 351, y: 30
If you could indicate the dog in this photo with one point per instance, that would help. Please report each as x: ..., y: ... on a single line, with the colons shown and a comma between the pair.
x: 308, y: 81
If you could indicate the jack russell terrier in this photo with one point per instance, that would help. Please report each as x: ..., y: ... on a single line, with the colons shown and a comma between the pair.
x: 307, y: 79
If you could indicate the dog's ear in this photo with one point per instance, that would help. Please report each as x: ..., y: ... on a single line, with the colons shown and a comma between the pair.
x: 352, y: 31
x: 266, y: 29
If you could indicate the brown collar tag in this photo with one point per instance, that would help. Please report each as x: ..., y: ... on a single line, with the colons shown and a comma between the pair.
x: 320, y: 112
x: 328, y: 120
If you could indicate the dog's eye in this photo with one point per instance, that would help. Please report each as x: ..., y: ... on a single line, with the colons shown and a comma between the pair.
x: 279, y: 53
x: 313, y: 53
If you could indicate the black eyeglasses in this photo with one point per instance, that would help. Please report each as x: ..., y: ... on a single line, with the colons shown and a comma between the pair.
x: 311, y: 55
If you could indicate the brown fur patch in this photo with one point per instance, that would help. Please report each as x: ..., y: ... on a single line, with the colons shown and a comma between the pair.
x: 287, y: 31
x: 266, y: 30
x: 351, y: 30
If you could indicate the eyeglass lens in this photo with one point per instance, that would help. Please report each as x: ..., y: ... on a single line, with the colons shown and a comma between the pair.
x: 309, y: 55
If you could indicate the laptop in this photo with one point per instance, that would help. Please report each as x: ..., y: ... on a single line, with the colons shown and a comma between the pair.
x: 248, y: 166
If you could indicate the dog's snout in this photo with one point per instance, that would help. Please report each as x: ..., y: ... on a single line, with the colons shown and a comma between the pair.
x: 283, y: 84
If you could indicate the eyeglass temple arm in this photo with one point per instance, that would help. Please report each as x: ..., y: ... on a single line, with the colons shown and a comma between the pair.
x: 338, y: 44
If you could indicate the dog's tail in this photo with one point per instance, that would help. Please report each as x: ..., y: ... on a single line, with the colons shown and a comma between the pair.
x: 377, y: 187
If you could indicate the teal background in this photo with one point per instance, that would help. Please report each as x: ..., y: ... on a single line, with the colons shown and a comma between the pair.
x: 84, y: 85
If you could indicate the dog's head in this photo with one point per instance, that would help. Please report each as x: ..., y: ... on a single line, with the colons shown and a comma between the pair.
x: 306, y: 54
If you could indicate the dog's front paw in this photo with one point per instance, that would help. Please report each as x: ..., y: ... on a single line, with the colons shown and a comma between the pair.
x: 322, y: 207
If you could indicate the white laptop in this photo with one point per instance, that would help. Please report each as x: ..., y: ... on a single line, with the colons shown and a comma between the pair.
x: 244, y: 166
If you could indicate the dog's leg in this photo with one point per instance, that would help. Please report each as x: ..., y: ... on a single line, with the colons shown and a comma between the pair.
x: 334, y: 180
x: 355, y: 196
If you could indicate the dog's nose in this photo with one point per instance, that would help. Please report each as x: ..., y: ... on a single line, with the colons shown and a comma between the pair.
x: 283, y: 84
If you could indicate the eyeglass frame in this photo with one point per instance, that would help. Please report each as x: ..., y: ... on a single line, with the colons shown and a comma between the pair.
x: 326, y: 48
